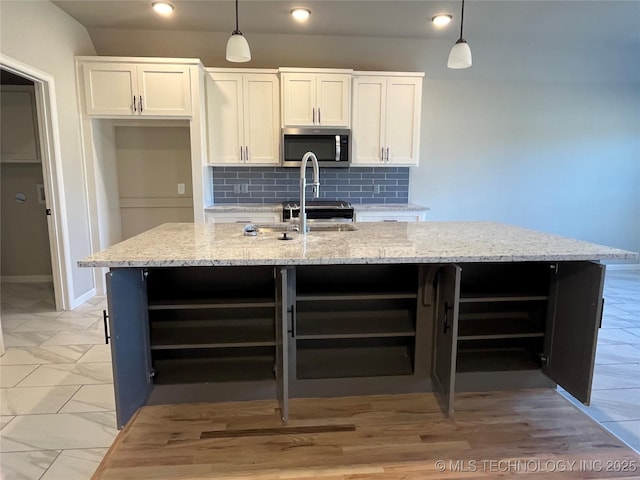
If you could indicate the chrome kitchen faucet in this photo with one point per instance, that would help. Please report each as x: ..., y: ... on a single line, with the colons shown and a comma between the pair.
x: 315, y: 187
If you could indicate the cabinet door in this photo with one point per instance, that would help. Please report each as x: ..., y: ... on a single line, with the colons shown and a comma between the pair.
x: 446, y: 333
x: 298, y: 99
x: 368, y: 120
x: 333, y: 100
x: 110, y: 89
x: 402, y: 126
x: 573, y: 331
x: 261, y: 119
x: 18, y: 124
x: 130, y: 348
x: 224, y: 118
x: 282, y: 358
x: 165, y: 90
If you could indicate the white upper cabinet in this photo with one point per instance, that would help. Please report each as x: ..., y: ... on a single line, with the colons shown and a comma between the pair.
x: 129, y: 89
x: 18, y: 122
x: 243, y: 118
x: 316, y: 99
x: 386, y: 119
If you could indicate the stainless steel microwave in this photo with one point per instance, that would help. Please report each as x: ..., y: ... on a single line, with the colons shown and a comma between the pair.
x: 332, y: 147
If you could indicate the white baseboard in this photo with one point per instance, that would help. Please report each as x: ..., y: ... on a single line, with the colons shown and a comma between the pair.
x: 76, y: 302
x: 26, y: 278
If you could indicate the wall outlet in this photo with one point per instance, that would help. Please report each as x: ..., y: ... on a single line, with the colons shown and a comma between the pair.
x: 377, y: 188
x: 244, y: 188
x: 181, y: 189
x: 236, y: 188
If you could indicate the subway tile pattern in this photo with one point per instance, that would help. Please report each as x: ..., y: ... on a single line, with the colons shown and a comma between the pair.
x: 276, y: 184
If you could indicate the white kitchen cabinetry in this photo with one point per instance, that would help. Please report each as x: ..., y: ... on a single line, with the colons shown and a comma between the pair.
x: 243, y: 118
x: 244, y: 217
x: 389, y: 216
x: 319, y: 98
x: 131, y: 89
x: 19, y: 125
x: 386, y: 119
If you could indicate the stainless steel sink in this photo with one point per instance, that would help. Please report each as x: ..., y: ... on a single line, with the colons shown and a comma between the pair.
x: 323, y: 227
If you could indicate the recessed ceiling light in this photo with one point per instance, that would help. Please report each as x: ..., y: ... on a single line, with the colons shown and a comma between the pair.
x: 300, y: 14
x: 163, y: 8
x: 441, y: 19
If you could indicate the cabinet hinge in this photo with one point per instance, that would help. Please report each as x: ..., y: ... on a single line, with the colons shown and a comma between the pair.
x: 544, y: 359
x: 554, y: 268
x: 152, y: 374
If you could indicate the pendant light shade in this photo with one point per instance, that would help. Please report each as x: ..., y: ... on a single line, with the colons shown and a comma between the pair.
x: 460, y: 55
x: 237, y: 47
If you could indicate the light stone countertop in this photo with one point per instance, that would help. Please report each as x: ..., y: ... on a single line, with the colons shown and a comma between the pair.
x: 187, y: 244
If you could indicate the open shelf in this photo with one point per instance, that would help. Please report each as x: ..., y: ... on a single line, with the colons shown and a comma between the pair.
x: 207, y: 366
x: 505, y: 281
x: 354, y: 358
x: 497, y: 360
x: 207, y: 303
x: 493, y: 298
x: 210, y: 335
x: 359, y: 324
x: 336, y: 282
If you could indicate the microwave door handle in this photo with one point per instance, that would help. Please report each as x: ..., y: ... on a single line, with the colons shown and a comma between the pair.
x: 338, y: 148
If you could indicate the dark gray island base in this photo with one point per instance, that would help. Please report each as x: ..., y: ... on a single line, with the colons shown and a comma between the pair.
x: 186, y: 331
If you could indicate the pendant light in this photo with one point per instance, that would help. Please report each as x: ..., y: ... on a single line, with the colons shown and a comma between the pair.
x: 460, y: 55
x: 237, y: 46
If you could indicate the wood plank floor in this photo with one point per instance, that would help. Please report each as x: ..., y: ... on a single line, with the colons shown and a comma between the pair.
x: 386, y: 437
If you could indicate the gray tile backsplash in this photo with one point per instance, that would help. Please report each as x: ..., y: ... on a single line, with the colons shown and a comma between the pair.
x: 275, y: 184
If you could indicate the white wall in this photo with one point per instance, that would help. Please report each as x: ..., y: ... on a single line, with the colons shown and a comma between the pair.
x: 536, y: 135
x: 40, y: 35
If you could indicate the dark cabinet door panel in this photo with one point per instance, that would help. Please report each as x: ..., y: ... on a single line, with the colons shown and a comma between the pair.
x: 130, y: 349
x: 573, y: 327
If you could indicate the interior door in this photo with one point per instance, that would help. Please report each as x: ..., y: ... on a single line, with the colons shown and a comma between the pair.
x: 130, y: 349
x: 282, y: 358
x: 572, y: 331
x: 446, y: 333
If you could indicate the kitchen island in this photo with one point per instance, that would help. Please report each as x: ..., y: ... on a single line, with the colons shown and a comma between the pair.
x: 204, y: 313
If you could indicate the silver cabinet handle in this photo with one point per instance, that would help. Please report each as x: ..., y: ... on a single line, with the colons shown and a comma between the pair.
x: 140, y: 103
x: 387, y: 154
x: 241, y: 154
x: 246, y: 153
x: 314, y: 115
x: 319, y: 121
x: 382, y: 154
x: 135, y: 109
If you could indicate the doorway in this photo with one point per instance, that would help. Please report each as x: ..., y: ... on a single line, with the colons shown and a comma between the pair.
x: 46, y: 146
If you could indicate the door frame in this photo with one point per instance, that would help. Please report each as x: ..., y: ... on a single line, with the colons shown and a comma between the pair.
x: 49, y: 139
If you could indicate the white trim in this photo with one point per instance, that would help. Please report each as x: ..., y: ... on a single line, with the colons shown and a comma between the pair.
x: 358, y: 73
x: 137, y: 60
x: 26, y: 278
x: 83, y: 298
x: 49, y: 137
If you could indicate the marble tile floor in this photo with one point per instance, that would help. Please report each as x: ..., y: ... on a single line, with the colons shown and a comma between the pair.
x: 56, y: 402
x: 57, y: 413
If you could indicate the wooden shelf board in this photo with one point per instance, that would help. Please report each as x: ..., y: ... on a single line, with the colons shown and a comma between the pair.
x: 357, y: 296
x: 193, y: 303
x: 498, y: 336
x: 212, y: 370
x: 492, y: 298
x: 360, y: 324
x: 353, y: 362
x: 496, y: 360
x: 211, y: 336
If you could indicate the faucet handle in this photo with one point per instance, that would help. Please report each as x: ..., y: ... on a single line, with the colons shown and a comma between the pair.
x: 315, y: 189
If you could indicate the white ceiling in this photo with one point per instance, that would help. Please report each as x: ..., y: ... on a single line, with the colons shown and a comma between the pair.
x: 591, y: 21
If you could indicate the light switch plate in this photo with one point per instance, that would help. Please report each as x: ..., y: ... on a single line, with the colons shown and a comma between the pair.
x: 181, y: 189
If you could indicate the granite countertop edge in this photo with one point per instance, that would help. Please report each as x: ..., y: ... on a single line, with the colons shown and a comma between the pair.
x: 277, y: 207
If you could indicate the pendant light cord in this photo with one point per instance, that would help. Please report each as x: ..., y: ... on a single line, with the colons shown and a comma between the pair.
x: 461, y: 18
x: 237, y: 30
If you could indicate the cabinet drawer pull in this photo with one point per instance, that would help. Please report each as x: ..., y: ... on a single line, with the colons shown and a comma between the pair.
x: 387, y: 148
x: 241, y: 154
x: 319, y: 121
x: 140, y: 103
x: 135, y: 108
x: 246, y: 153
x: 105, y: 318
x: 314, y: 115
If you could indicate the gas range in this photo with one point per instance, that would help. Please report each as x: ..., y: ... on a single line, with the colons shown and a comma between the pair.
x: 319, y: 210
